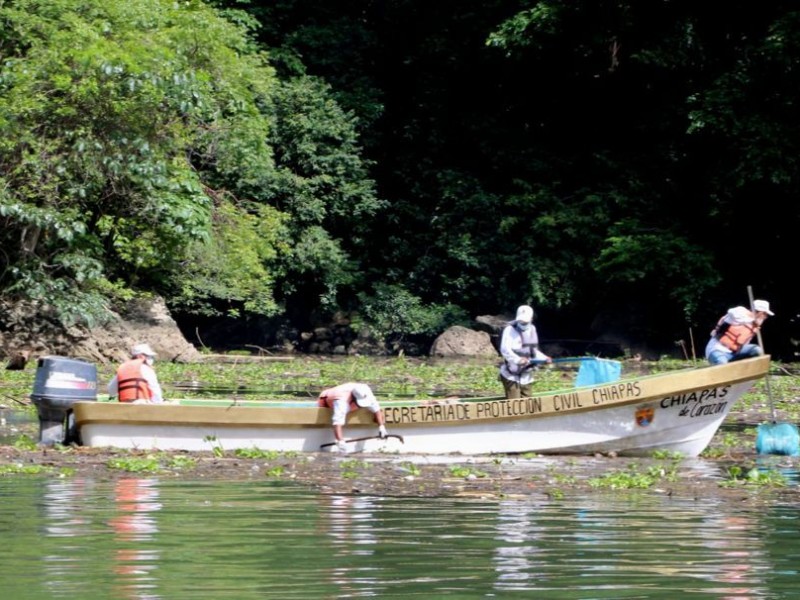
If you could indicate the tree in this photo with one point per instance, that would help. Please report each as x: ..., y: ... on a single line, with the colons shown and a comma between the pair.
x: 140, y: 138
x: 323, y: 182
x: 105, y: 110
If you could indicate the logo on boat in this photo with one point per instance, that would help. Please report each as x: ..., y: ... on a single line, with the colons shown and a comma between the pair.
x: 644, y: 415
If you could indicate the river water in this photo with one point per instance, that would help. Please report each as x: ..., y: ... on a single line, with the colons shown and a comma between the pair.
x: 161, y: 538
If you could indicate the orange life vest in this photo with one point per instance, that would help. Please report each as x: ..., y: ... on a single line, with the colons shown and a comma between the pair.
x: 130, y: 383
x: 734, y: 336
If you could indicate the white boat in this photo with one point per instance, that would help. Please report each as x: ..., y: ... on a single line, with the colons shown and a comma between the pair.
x: 678, y: 411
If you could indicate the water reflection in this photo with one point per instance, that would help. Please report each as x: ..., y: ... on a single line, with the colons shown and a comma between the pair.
x: 149, y: 538
x: 63, y: 520
x: 71, y: 508
x: 518, y: 539
x: 600, y: 544
x: 61, y: 499
x: 349, y: 524
x: 737, y: 540
x: 136, y: 501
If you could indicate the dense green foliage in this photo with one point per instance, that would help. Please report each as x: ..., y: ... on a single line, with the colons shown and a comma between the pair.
x: 629, y: 168
x: 148, y: 146
x: 101, y: 106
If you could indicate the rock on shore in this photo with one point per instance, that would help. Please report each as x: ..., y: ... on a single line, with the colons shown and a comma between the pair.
x: 30, y: 331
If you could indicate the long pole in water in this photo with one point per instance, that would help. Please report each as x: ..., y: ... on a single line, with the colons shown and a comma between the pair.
x: 761, y: 345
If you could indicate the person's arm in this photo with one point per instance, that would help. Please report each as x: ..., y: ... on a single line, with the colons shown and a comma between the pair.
x: 509, y: 345
x: 112, y: 387
x: 539, y: 355
x: 149, y: 375
x: 381, y: 421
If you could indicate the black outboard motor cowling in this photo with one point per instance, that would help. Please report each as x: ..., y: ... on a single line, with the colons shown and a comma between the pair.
x: 59, y: 383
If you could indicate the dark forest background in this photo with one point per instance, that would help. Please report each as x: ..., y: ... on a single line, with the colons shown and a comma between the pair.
x: 629, y: 168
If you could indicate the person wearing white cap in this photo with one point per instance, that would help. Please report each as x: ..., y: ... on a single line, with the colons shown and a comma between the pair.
x: 346, y: 397
x: 519, y: 347
x: 732, y: 338
x: 136, y: 380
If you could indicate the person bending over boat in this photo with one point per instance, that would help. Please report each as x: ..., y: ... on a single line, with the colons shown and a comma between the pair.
x: 346, y: 397
x: 519, y: 347
x: 732, y: 338
x: 136, y: 380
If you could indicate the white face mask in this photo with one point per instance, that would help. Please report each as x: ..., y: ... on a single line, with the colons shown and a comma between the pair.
x: 148, y: 360
x: 523, y: 326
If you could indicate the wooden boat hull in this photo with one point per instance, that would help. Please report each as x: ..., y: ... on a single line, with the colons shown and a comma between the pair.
x: 679, y: 412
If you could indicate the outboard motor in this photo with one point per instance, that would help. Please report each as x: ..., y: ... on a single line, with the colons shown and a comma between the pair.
x: 59, y: 383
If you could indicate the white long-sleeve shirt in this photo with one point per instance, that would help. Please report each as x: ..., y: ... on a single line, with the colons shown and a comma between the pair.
x: 513, y: 350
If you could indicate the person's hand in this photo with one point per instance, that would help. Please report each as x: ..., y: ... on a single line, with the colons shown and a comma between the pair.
x: 341, y: 446
x: 382, y: 432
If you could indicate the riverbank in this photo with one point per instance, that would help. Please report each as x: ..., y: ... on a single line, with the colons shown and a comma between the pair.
x: 725, y: 470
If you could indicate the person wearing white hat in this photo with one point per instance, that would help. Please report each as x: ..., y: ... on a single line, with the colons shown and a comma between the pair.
x: 519, y: 347
x: 136, y: 380
x: 732, y: 338
x: 346, y: 397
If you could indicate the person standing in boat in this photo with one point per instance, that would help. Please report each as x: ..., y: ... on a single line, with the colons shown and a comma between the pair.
x: 732, y: 338
x: 346, y: 397
x: 136, y: 380
x: 519, y: 348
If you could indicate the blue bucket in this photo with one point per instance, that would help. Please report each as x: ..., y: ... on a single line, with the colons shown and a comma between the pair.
x: 778, y: 438
x: 598, y: 371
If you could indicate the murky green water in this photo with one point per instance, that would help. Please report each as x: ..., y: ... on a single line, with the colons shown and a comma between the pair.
x: 162, y: 538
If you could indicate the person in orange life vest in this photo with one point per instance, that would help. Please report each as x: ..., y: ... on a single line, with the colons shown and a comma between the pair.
x: 346, y: 397
x: 732, y: 337
x: 519, y: 346
x: 136, y: 380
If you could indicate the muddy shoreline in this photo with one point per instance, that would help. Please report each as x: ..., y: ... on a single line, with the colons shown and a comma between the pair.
x: 480, y: 477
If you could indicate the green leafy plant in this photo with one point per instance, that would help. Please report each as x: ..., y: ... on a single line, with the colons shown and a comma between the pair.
x: 20, y: 469
x: 136, y: 464
x: 392, y: 309
x: 738, y: 475
x: 667, y: 455
x: 351, y: 467
x: 216, y: 446
x: 256, y: 453
x: 563, y: 479
x: 634, y: 478
x: 276, y: 472
x: 24, y: 442
x: 182, y: 462
x: 411, y: 468
x: 465, y: 472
